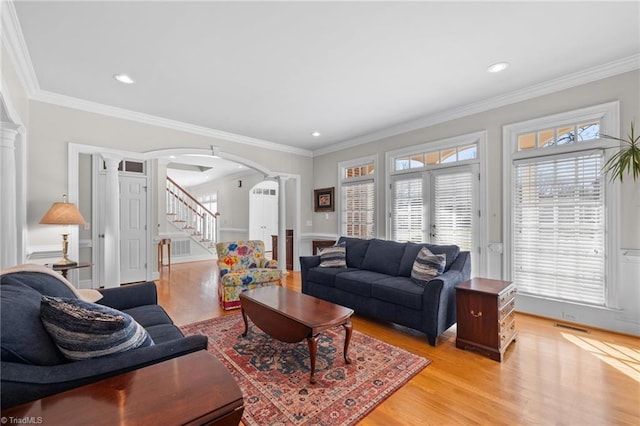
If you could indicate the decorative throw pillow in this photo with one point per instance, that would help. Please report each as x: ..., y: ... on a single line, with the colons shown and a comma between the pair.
x: 84, y: 330
x: 427, y: 266
x: 334, y: 256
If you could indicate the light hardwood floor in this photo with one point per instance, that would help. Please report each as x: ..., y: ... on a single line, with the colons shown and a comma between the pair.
x: 550, y: 375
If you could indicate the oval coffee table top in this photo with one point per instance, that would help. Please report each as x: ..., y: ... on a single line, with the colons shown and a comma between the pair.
x: 305, y: 309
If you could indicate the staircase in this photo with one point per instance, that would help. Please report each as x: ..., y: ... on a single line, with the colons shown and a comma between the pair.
x: 187, y: 214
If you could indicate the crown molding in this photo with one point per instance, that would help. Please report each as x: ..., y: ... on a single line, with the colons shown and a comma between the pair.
x: 17, y: 48
x: 599, y: 72
x: 94, y: 107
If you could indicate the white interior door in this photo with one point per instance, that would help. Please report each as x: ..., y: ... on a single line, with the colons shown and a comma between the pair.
x: 263, y: 213
x: 133, y: 228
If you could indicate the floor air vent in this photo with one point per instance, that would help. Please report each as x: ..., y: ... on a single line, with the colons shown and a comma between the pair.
x: 572, y: 327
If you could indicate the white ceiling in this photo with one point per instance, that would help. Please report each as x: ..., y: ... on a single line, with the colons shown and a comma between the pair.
x: 276, y: 71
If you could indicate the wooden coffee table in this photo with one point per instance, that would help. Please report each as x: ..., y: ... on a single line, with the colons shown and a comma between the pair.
x: 290, y: 317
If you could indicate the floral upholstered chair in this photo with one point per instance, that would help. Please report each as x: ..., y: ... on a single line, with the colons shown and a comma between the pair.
x: 243, y: 267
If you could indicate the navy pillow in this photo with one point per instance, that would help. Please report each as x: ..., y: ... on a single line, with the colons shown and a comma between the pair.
x: 411, y: 252
x: 84, y: 330
x: 24, y: 338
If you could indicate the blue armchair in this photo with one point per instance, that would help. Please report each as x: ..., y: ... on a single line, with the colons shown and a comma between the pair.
x: 32, y: 367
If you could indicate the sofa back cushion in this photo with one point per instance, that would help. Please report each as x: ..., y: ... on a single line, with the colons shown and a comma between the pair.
x: 23, y: 337
x: 411, y: 252
x: 239, y: 255
x: 383, y: 256
x: 355, y: 249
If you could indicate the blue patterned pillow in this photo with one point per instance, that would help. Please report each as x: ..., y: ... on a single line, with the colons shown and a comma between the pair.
x: 427, y: 266
x: 84, y: 330
x: 334, y: 256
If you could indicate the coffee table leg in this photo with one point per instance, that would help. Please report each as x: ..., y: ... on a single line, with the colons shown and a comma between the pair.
x: 312, y: 341
x: 348, y: 328
x: 246, y: 324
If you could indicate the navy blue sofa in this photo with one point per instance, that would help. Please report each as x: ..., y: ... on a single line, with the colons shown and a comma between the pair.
x: 377, y: 283
x: 32, y: 367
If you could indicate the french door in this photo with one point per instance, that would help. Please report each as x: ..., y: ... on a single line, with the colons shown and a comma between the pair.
x: 438, y: 206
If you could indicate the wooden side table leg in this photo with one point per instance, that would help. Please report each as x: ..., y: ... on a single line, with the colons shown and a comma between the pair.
x: 348, y: 328
x: 312, y: 341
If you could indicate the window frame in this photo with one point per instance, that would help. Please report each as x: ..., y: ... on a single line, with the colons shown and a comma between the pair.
x: 343, y: 181
x: 483, y: 251
x: 608, y: 114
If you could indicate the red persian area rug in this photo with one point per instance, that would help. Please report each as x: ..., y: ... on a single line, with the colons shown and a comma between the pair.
x: 274, y: 376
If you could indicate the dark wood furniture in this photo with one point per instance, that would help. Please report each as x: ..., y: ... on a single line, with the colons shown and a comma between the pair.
x: 318, y: 244
x: 288, y: 248
x: 486, y: 316
x: 64, y: 269
x: 290, y: 316
x: 164, y: 242
x: 194, y: 389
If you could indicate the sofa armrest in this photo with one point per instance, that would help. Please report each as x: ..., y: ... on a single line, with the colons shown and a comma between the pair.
x: 439, y: 297
x: 267, y: 263
x: 223, y: 269
x: 130, y: 295
x: 22, y: 383
x: 306, y: 263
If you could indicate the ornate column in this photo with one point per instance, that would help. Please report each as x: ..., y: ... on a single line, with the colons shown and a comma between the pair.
x: 111, y: 259
x: 8, y: 224
x: 282, y: 223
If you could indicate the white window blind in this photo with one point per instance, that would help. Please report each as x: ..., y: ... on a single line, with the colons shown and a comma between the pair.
x: 358, y: 209
x: 559, y: 228
x: 453, y: 209
x: 407, y: 216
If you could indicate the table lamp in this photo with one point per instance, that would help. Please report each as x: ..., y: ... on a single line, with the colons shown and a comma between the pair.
x: 63, y: 213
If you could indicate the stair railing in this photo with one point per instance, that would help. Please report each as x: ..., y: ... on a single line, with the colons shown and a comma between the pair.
x: 189, y: 214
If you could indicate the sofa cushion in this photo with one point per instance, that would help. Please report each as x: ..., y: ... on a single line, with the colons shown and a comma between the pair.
x: 84, y: 330
x: 411, y: 252
x: 356, y: 250
x: 164, y: 333
x: 427, y: 266
x: 326, y: 276
x: 41, y: 282
x: 358, y: 282
x: 24, y: 338
x: 399, y: 290
x: 148, y: 315
x: 334, y: 256
x: 383, y: 256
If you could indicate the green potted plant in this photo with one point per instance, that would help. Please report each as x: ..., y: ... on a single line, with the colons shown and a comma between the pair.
x: 627, y: 159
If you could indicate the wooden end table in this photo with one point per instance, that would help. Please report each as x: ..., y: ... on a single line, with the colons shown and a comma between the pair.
x: 485, y: 311
x: 193, y: 389
x: 290, y: 316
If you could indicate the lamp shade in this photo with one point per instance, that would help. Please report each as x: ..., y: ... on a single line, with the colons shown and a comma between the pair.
x: 63, y: 214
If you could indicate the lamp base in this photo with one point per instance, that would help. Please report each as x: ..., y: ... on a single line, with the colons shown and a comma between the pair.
x: 65, y: 261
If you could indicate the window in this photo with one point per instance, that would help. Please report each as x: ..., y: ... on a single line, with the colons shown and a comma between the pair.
x: 560, y: 240
x: 407, y: 212
x: 559, y: 228
x: 357, y: 199
x: 209, y: 201
x: 453, y: 209
x: 432, y: 157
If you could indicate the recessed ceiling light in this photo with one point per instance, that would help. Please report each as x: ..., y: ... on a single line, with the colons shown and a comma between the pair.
x: 315, y: 134
x: 497, y: 67
x: 123, y: 78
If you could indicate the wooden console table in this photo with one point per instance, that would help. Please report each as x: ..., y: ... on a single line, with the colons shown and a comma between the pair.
x: 64, y: 270
x: 194, y: 389
x: 318, y: 244
x: 288, y: 248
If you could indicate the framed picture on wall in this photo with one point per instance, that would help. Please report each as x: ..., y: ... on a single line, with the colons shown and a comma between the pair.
x: 323, y: 200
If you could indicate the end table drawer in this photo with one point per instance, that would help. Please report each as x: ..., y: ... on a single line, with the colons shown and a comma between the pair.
x: 507, y: 296
x: 506, y: 310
